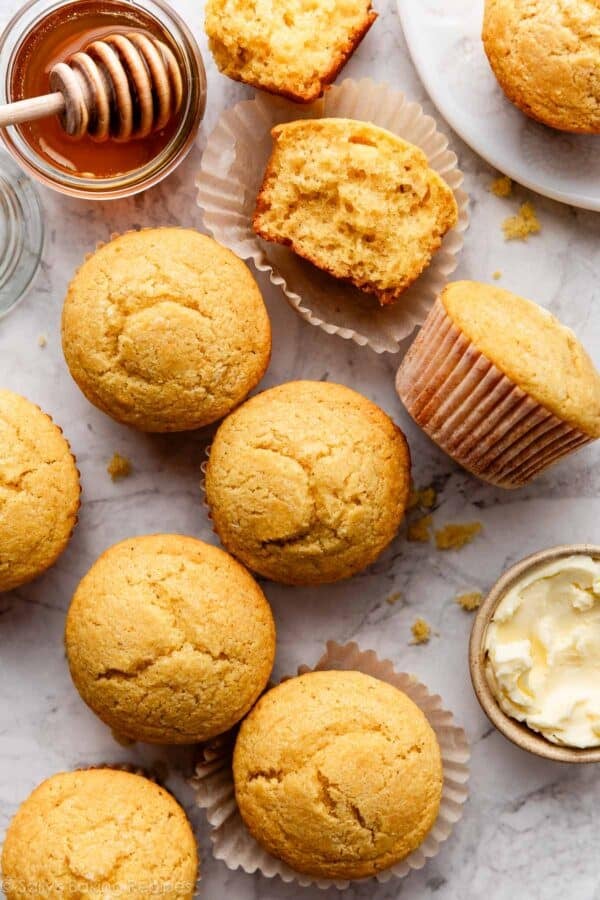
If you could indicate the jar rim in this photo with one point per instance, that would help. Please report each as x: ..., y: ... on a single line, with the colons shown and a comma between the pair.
x: 136, y: 180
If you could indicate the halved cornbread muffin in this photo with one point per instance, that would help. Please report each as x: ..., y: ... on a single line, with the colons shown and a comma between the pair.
x: 355, y: 200
x: 291, y: 47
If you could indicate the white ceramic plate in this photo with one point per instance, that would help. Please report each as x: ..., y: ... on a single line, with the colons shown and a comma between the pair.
x: 444, y: 39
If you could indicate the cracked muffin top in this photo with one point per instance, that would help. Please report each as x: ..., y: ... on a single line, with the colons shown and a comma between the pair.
x: 546, y: 57
x: 169, y: 640
x: 307, y: 482
x: 338, y: 774
x: 99, y: 832
x: 39, y: 491
x: 165, y: 330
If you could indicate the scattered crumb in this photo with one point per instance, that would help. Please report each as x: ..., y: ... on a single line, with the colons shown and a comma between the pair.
x: 497, y: 275
x: 42, y: 340
x: 421, y: 631
x: 424, y: 498
x: 394, y: 598
x: 519, y: 227
x: 413, y: 496
x: 420, y: 530
x: 455, y: 536
x: 118, y: 467
x: 502, y: 186
x: 470, y: 602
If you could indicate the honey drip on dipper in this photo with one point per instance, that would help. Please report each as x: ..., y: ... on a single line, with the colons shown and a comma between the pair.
x: 111, y: 91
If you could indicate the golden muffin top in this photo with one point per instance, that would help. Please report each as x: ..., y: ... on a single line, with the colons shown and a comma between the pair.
x: 165, y: 330
x: 169, y: 640
x: 307, y: 482
x: 289, y: 47
x: 355, y: 200
x: 99, y: 832
x: 546, y: 56
x: 531, y: 347
x: 39, y: 491
x: 338, y: 774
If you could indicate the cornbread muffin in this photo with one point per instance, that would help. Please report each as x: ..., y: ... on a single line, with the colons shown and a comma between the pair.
x: 531, y: 347
x: 355, y: 200
x: 291, y: 47
x: 546, y: 56
x: 165, y: 330
x: 39, y: 491
x: 169, y: 640
x: 338, y: 774
x: 500, y: 384
x: 99, y: 833
x: 307, y: 482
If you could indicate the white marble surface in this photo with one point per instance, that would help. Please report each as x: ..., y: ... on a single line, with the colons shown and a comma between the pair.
x: 530, y: 828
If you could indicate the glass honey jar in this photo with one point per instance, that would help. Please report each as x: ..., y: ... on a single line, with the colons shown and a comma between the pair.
x: 43, y: 33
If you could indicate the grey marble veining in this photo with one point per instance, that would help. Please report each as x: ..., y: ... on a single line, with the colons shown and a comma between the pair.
x: 530, y: 827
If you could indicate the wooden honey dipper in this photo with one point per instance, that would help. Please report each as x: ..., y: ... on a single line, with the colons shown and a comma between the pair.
x: 124, y: 86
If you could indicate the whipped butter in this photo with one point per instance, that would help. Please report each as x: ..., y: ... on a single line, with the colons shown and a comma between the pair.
x: 543, y: 651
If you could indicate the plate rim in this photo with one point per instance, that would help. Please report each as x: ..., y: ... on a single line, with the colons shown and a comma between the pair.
x: 487, y: 155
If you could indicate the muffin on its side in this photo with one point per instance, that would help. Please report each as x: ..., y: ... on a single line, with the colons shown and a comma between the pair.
x: 165, y: 330
x: 338, y: 774
x: 99, y: 833
x: 546, y: 57
x: 355, y: 200
x: 169, y: 640
x: 500, y: 384
x: 307, y: 482
x: 293, y: 47
x: 39, y: 491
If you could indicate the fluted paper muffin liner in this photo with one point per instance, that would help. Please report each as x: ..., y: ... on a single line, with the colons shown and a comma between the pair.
x: 230, y: 177
x: 235, y: 846
x: 474, y: 412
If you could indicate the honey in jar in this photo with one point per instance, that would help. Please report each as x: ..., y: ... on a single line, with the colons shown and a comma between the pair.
x: 62, y: 32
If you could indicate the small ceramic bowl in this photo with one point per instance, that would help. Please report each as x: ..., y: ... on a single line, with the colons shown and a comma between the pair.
x: 515, y: 731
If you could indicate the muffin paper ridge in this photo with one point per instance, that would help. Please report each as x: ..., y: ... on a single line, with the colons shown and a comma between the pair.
x: 230, y: 175
x: 474, y: 412
x: 233, y: 844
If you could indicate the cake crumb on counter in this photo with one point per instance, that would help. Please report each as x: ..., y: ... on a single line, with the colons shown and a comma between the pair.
x: 42, y: 340
x: 497, y: 275
x: 519, y: 227
x: 421, y: 631
x: 424, y: 498
x: 470, y: 601
x: 118, y: 467
x: 420, y: 530
x: 394, y: 598
x: 502, y: 186
x: 456, y: 535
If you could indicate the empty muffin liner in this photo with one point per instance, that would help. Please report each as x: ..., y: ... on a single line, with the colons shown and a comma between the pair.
x: 233, y: 843
x: 474, y: 412
x: 230, y: 177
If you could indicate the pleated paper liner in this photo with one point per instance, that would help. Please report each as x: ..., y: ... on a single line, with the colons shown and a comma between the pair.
x: 235, y: 846
x: 477, y: 415
x: 230, y: 176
